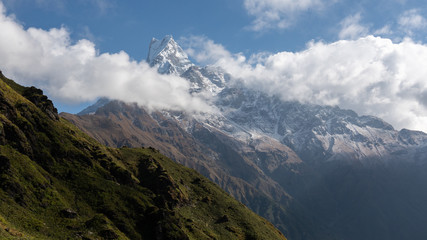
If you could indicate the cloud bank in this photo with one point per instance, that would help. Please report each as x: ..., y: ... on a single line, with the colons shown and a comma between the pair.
x: 371, y: 75
x: 76, y: 72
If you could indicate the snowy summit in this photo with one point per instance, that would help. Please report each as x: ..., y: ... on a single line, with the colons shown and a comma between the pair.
x: 168, y: 56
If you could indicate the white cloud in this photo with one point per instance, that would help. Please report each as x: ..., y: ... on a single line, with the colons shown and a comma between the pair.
x: 386, y: 30
x: 77, y: 72
x: 351, y: 28
x: 412, y: 20
x: 279, y: 14
x: 370, y: 75
x: 408, y: 24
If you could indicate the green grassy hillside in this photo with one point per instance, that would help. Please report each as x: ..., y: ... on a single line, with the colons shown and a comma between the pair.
x: 58, y: 183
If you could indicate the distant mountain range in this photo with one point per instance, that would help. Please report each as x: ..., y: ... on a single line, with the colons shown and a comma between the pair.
x: 58, y: 183
x: 316, y: 172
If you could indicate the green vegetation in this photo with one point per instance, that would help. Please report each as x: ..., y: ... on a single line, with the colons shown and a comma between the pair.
x: 58, y: 183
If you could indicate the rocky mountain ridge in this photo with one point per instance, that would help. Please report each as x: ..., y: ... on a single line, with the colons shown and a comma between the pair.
x: 326, y: 133
x: 316, y: 133
x: 309, y: 165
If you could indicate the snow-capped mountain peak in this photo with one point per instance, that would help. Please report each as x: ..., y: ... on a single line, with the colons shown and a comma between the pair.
x: 168, y: 56
x: 315, y: 133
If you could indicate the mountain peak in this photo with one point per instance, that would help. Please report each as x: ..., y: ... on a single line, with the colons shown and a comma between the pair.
x: 156, y: 46
x: 168, y: 56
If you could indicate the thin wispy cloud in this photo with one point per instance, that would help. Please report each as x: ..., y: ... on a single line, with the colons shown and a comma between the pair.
x: 274, y: 14
x: 351, y: 28
x: 409, y: 23
x: 384, y: 31
x: 412, y: 20
x: 103, y: 5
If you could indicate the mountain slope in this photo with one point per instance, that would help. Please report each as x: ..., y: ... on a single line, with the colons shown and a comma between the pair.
x: 58, y: 183
x: 315, y: 133
x: 319, y: 172
x: 120, y: 124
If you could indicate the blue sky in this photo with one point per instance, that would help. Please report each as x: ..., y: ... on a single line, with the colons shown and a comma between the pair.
x: 369, y: 56
x: 129, y: 25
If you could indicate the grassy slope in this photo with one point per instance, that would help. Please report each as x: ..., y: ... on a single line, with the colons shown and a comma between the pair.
x: 57, y: 183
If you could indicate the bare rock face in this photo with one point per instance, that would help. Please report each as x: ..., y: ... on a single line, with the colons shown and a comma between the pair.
x: 36, y: 96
